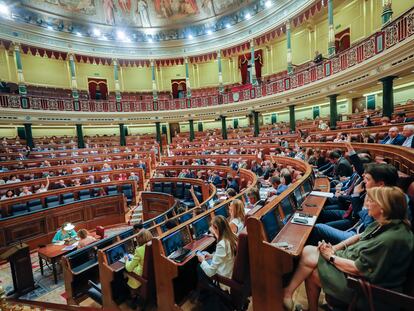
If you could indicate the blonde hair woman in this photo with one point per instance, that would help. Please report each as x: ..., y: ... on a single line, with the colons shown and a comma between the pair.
x: 371, y: 255
x: 236, y: 219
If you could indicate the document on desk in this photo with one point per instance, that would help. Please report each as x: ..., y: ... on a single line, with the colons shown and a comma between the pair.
x: 322, y: 194
x: 70, y: 247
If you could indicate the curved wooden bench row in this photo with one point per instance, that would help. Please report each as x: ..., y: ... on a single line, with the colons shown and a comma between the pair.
x: 39, y: 227
x: 380, y: 129
x: 109, y: 272
x: 35, y: 184
x: 59, y: 154
x: 271, y: 224
x: 72, y: 193
x: 235, y: 141
x: 401, y: 157
x: 218, y: 159
x: 223, y: 171
x: 198, y: 184
x: 12, y: 165
x: 157, y: 227
x: 56, y: 146
x: 249, y: 149
x: 78, y: 266
x: 25, y: 174
x: 156, y: 203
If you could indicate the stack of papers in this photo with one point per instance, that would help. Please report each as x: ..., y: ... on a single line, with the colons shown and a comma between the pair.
x: 322, y: 194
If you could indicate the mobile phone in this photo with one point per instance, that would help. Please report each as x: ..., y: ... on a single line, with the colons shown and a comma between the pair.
x: 199, y: 253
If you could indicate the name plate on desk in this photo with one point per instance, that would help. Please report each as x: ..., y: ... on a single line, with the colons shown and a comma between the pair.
x: 306, y: 220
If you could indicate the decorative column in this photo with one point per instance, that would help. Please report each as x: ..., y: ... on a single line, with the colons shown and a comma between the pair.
x: 331, y: 30
x: 187, y: 82
x: 24, y: 102
x: 122, y: 139
x: 73, y: 83
x: 191, y: 129
x: 289, y: 48
x: 158, y: 129
x: 220, y: 72
x: 333, y: 110
x: 28, y: 134
x: 223, y: 127
x: 292, y: 120
x: 253, y: 79
x: 117, y: 86
x: 386, y: 11
x: 387, y: 96
x: 154, y: 86
x: 79, y: 133
x: 256, y: 123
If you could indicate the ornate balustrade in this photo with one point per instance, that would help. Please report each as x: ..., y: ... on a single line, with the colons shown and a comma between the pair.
x: 394, y: 33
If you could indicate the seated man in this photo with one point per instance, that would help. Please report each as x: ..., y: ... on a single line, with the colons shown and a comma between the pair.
x: 408, y: 133
x: 393, y: 137
x: 341, y: 224
x: 232, y: 183
x: 340, y: 166
x: 402, y: 118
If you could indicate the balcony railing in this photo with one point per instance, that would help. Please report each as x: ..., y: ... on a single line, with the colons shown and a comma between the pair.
x: 377, y: 43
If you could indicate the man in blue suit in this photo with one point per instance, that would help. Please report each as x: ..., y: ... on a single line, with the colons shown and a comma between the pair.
x: 393, y: 137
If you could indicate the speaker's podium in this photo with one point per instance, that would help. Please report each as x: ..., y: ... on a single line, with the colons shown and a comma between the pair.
x: 21, y: 268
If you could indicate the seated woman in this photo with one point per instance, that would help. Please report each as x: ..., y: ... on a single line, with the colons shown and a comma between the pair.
x: 85, y: 238
x: 371, y: 255
x: 222, y: 260
x: 65, y: 233
x: 136, y: 264
x: 236, y: 218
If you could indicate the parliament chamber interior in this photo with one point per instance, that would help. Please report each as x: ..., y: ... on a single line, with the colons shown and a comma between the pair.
x: 206, y: 155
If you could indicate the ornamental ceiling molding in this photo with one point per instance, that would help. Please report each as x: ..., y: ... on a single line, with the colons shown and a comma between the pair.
x: 392, y: 62
x: 264, y: 22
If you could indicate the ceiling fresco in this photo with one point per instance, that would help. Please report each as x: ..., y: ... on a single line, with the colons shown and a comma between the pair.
x: 135, y: 13
x: 143, y: 28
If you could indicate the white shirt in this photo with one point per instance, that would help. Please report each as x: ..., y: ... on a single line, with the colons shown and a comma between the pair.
x: 238, y: 223
x: 408, y: 141
x: 222, y: 262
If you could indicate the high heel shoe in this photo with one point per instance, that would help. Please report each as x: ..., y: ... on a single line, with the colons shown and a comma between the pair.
x: 288, y: 303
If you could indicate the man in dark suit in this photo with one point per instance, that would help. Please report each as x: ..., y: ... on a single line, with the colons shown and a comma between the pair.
x: 215, y: 179
x: 393, y: 137
x: 232, y: 183
x: 402, y: 118
x: 408, y: 133
x: 342, y: 168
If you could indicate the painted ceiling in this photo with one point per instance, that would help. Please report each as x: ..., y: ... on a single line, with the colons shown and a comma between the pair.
x: 163, y: 19
x: 149, y: 28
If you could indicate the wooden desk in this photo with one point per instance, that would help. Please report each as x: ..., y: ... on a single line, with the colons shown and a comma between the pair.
x: 268, y: 263
x: 52, y: 254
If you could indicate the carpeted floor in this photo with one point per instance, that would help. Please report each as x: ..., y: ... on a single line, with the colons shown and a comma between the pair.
x: 46, y: 290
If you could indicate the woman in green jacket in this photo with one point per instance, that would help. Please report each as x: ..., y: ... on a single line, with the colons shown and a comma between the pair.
x: 382, y: 254
x: 136, y: 264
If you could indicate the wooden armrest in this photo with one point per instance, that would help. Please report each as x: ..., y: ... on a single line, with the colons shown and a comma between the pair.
x: 136, y: 277
x: 385, y: 295
x: 228, y: 282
